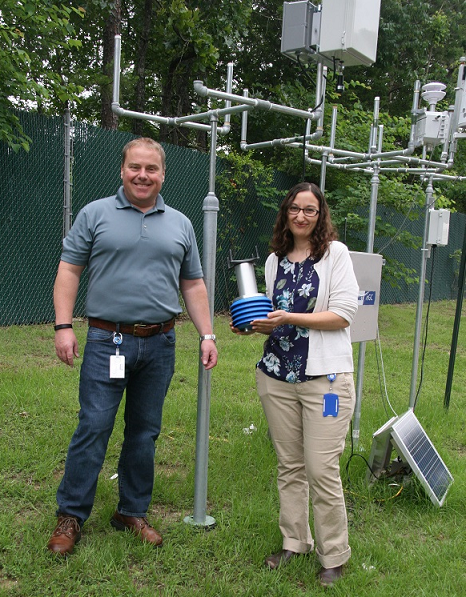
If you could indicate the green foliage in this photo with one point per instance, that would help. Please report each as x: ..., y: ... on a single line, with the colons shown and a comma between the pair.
x: 187, y: 26
x: 31, y: 34
x: 245, y: 186
x: 456, y: 257
x: 52, y: 54
x: 417, y: 40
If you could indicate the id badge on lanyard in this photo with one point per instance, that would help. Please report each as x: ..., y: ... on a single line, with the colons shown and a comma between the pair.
x: 330, y: 405
x: 117, y: 361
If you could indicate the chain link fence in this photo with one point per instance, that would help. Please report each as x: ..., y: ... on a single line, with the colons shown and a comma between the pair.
x: 32, y: 209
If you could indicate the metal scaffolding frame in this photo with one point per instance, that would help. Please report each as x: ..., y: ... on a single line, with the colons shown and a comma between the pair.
x: 372, y: 162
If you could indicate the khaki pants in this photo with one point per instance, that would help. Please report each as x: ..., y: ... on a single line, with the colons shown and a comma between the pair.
x: 308, y: 447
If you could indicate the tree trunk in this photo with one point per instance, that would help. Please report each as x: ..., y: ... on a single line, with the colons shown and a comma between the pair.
x: 109, y: 120
x: 140, y: 66
x: 176, y: 99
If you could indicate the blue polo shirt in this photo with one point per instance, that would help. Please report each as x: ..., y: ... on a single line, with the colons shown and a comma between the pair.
x: 135, y: 260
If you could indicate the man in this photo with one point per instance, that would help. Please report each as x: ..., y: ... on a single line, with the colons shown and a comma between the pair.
x: 139, y: 253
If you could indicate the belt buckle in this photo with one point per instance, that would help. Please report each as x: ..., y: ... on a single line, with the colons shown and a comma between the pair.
x: 136, y: 327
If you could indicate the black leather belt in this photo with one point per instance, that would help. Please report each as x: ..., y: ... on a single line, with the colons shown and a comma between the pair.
x: 135, y: 329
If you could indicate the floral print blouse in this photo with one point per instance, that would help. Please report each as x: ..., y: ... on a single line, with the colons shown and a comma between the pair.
x: 285, y: 351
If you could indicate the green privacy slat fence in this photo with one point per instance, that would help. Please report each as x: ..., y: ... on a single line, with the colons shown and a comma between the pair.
x: 31, y: 217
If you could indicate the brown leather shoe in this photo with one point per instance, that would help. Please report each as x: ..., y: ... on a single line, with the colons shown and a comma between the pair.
x: 138, y: 526
x: 280, y: 559
x: 66, y: 534
x: 327, y: 576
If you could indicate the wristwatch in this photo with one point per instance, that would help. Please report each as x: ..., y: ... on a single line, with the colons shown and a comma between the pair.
x: 208, y: 337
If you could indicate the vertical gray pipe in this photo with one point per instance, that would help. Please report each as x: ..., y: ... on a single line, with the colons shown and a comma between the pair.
x: 374, y: 126
x: 210, y: 209
x: 320, y: 92
x: 244, y: 121
x: 323, y: 166
x: 362, y: 345
x: 420, y: 301
x: 375, y: 181
x: 116, y: 70
x: 67, y: 213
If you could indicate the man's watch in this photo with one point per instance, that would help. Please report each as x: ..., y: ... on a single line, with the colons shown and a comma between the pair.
x: 208, y: 337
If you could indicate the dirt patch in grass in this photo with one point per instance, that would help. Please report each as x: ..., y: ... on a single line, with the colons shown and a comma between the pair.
x: 8, y: 584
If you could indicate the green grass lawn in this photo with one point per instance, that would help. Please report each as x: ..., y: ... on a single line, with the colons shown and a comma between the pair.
x: 402, y: 544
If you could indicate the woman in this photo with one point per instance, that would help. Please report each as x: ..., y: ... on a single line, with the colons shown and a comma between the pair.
x: 305, y: 379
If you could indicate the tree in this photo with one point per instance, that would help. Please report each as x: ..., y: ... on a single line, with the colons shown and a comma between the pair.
x: 32, y: 36
x: 167, y: 45
x: 417, y: 40
x: 109, y: 119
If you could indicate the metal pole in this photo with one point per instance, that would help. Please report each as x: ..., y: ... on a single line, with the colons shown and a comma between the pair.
x: 210, y: 208
x: 420, y: 301
x: 261, y: 104
x: 67, y: 214
x: 323, y: 167
x: 116, y: 70
x: 362, y: 345
x: 456, y: 326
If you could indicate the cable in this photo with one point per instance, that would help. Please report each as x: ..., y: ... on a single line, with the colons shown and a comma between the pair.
x: 385, y: 398
x: 392, y: 497
x: 413, y: 203
x: 310, y: 80
x: 304, y: 71
x: 401, y: 227
x: 385, y: 392
x: 353, y: 454
x: 426, y: 327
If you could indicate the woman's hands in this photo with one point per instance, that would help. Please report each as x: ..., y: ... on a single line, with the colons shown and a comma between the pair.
x: 264, y: 326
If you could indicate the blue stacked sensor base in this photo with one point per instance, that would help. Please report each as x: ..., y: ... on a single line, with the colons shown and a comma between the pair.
x: 245, y: 310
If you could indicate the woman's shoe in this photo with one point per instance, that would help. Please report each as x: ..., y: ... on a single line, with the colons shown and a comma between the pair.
x: 327, y: 576
x: 280, y: 558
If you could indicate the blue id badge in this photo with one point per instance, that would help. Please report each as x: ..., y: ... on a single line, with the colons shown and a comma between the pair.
x: 330, y: 405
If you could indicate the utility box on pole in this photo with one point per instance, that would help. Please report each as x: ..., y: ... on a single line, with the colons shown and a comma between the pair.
x: 368, y: 271
x: 349, y: 31
x: 301, y: 29
x: 338, y: 31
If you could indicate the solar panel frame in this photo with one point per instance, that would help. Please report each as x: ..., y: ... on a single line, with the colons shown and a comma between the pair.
x: 413, y: 444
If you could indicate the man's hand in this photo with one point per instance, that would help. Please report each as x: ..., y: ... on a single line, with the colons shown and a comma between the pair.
x: 66, y: 346
x: 65, y: 292
x: 197, y: 305
x: 209, y: 354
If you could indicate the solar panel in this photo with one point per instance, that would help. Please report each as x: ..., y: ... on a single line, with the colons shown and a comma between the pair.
x: 407, y: 435
x: 411, y: 440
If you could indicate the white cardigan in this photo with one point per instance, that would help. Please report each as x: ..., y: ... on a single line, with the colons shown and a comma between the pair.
x: 330, y: 351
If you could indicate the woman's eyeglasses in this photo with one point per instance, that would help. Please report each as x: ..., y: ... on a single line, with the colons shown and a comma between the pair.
x: 310, y: 212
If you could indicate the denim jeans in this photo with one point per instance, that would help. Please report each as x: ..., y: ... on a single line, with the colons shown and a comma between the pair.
x: 149, y: 364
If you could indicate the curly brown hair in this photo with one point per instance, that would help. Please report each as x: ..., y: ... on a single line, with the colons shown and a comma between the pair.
x: 324, y: 232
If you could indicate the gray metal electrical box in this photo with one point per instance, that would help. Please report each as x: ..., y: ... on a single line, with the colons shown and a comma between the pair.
x: 336, y: 30
x: 368, y: 270
x: 432, y: 128
x: 439, y: 227
x: 349, y: 30
x: 462, y: 114
x: 300, y: 29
